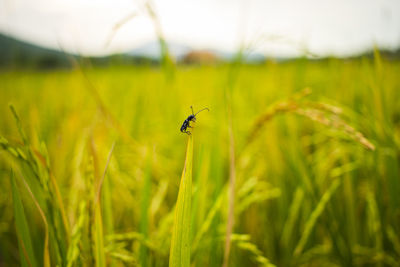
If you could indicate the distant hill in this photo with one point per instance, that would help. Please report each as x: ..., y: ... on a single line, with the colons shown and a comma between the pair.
x: 16, y: 53
x: 19, y: 54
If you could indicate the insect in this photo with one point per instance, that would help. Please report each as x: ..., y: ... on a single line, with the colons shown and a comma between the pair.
x: 191, y: 117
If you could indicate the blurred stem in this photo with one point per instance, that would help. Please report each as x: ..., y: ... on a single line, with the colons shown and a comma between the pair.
x: 166, y: 59
x: 232, y: 77
x: 144, y: 214
x: 231, y: 190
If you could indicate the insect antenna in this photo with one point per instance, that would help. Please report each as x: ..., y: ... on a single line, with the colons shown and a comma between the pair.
x: 201, y: 111
x: 192, y: 110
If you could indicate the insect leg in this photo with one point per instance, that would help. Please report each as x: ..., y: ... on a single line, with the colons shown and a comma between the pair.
x: 185, y: 131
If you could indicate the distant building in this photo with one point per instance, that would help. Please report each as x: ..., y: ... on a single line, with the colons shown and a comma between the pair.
x: 200, y: 57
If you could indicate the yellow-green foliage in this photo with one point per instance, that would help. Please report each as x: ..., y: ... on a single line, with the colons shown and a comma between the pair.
x: 316, y: 170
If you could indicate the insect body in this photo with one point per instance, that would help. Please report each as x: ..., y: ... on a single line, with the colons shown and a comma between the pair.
x: 192, y: 117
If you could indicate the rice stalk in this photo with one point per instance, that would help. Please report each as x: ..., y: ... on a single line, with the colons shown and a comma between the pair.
x: 335, y: 122
x: 243, y: 242
x: 77, y: 231
x: 132, y: 236
x: 374, y: 223
x: 287, y: 106
x: 322, y: 113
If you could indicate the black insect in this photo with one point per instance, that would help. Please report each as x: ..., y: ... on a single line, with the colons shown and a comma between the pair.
x: 191, y: 117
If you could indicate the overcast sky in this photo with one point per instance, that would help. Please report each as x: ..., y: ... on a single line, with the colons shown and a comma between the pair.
x: 275, y: 28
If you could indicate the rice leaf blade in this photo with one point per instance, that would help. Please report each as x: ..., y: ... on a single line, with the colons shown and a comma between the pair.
x: 180, y: 243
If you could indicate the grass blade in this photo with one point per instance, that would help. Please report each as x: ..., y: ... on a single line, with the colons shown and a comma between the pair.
x: 290, y: 223
x: 315, y: 215
x: 180, y: 244
x: 24, y: 236
x: 46, y: 253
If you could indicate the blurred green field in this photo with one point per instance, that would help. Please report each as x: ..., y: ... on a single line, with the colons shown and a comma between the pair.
x: 317, y: 175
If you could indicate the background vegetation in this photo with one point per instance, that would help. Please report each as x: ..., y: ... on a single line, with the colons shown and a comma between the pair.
x: 91, y: 160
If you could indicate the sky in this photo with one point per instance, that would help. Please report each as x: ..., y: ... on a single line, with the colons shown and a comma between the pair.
x: 274, y: 28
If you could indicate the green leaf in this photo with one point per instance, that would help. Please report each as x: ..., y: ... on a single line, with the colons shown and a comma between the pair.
x: 180, y: 244
x: 24, y: 238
